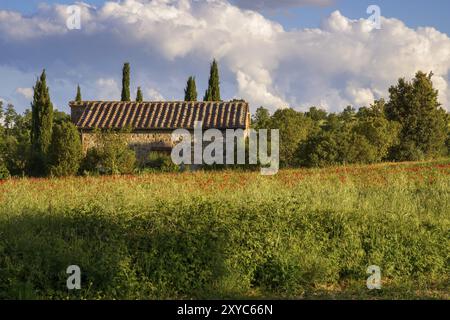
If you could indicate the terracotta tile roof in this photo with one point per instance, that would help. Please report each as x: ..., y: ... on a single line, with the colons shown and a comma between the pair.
x: 161, y: 115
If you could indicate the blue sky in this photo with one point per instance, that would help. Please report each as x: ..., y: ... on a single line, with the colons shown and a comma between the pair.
x: 325, y: 55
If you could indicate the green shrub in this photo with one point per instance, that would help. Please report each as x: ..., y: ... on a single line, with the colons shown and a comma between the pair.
x: 111, y: 154
x: 161, y: 161
x: 4, y: 173
x: 65, y: 150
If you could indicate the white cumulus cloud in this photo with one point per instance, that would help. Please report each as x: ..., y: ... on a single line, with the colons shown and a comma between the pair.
x: 342, y: 62
x: 25, y: 92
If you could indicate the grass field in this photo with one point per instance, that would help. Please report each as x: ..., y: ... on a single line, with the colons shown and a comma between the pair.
x: 300, y: 234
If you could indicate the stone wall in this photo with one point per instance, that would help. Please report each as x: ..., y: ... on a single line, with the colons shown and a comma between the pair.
x: 141, y: 142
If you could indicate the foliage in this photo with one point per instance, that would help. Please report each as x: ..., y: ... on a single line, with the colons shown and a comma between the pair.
x: 190, y: 93
x: 9, y: 117
x: 423, y: 122
x: 111, y: 154
x: 60, y: 116
x: 126, y: 82
x: 4, y: 173
x: 213, y: 235
x: 41, y: 127
x: 65, y: 151
x: 139, y: 96
x: 161, y: 161
x: 294, y: 128
x: 316, y: 114
x: 261, y: 119
x: 15, y: 143
x: 78, y: 96
x: 365, y: 136
x: 213, y: 91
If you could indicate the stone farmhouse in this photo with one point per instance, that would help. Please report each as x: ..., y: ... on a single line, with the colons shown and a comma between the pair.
x: 152, y: 123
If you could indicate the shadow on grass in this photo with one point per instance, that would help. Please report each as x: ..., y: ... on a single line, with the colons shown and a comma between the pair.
x: 158, y: 256
x: 117, y: 261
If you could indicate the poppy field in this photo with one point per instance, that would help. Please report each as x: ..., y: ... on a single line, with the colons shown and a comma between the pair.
x: 301, y: 234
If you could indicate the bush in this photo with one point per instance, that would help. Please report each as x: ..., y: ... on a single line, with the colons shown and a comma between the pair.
x: 4, y: 173
x: 111, y: 154
x: 161, y: 161
x: 65, y: 152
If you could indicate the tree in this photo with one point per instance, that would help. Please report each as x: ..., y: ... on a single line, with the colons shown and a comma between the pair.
x: 316, y: 114
x: 213, y: 91
x: 41, y: 129
x: 139, y: 97
x: 348, y: 114
x: 362, y: 137
x: 261, y: 119
x: 78, y: 97
x: 126, y: 82
x: 319, y: 150
x: 379, y: 132
x: 65, y: 152
x: 17, y: 145
x: 60, y: 117
x: 294, y: 129
x: 414, y: 105
x: 1, y: 111
x: 9, y: 117
x: 190, y: 93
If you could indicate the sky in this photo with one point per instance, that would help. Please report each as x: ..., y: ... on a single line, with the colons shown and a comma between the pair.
x: 272, y: 53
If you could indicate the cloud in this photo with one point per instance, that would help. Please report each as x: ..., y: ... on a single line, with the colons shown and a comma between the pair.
x: 107, y: 89
x: 27, y: 93
x: 279, y: 4
x: 154, y: 95
x: 343, y: 62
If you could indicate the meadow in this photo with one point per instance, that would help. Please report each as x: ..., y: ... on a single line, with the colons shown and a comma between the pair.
x: 301, y: 234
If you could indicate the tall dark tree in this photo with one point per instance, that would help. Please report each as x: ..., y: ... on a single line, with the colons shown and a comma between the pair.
x: 126, y: 82
x: 1, y: 110
x: 41, y: 126
x: 139, y: 97
x: 414, y: 104
x: 78, y: 97
x: 213, y: 91
x: 190, y: 93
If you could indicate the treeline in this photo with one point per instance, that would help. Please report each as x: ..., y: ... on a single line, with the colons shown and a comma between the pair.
x: 410, y: 126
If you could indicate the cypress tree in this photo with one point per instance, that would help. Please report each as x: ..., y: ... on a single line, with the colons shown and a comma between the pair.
x: 78, y: 97
x: 41, y: 126
x: 126, y: 82
x: 213, y: 91
x: 190, y: 93
x: 207, y: 96
x: 139, y: 97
